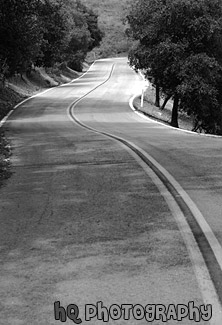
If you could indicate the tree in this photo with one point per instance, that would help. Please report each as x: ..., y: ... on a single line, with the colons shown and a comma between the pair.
x: 201, y: 92
x: 143, y: 20
x: 92, y: 24
x: 44, y: 32
x: 170, y: 39
x: 55, y: 27
x: 82, y: 33
x: 19, y: 33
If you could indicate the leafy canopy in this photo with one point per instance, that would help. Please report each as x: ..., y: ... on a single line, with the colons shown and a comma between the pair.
x: 179, y: 42
x: 44, y: 32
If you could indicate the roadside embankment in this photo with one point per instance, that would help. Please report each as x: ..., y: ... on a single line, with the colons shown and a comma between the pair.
x: 20, y: 87
x: 164, y: 116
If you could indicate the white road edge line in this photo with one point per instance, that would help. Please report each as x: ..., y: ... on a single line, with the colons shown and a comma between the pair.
x: 201, y: 271
x: 202, y: 274
x: 2, y: 122
x: 161, y: 123
x: 212, y: 240
x: 145, y: 117
x: 205, y: 283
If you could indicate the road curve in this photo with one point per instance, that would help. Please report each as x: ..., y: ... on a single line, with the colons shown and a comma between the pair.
x: 81, y: 220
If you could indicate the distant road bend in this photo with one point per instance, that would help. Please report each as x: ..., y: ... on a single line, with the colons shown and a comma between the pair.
x: 93, y: 184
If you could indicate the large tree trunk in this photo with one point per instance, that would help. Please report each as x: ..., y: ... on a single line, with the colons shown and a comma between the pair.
x: 157, y: 101
x: 174, y: 118
x: 165, y: 101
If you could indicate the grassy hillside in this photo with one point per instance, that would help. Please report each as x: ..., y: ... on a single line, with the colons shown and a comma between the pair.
x: 111, y: 13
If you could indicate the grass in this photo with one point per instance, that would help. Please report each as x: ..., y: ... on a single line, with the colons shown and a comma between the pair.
x: 149, y: 109
x: 111, y: 14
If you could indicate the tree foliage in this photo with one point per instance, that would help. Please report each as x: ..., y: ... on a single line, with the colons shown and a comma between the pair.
x: 43, y: 32
x: 54, y: 29
x: 84, y: 33
x: 19, y: 33
x: 179, y: 42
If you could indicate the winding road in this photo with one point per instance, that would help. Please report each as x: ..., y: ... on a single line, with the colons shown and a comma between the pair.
x: 106, y: 205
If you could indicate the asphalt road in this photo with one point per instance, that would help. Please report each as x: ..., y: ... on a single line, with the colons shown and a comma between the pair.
x: 81, y: 221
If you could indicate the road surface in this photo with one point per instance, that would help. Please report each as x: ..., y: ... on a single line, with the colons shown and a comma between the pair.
x: 83, y: 220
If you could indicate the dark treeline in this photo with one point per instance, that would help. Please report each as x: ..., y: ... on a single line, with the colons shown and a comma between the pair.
x: 179, y: 43
x: 45, y: 32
